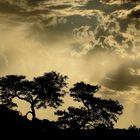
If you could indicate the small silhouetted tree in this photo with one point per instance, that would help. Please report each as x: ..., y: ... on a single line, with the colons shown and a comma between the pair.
x: 41, y: 92
x: 93, y: 113
x: 133, y: 127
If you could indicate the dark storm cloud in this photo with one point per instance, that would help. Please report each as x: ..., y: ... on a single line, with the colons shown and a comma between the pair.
x: 135, y: 13
x: 124, y: 79
x: 96, y: 4
x: 34, y: 2
x: 126, y: 17
x: 120, y: 1
x: 59, y: 6
x: 23, y: 3
x: 21, y: 9
x: 108, y: 37
x: 41, y: 11
x: 107, y: 24
x: 111, y: 31
x: 49, y: 13
x: 6, y: 7
x: 73, y: 21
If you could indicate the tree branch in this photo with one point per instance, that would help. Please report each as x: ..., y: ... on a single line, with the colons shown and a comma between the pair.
x: 86, y: 107
x: 28, y: 113
x: 22, y: 98
x: 87, y: 119
x: 34, y: 101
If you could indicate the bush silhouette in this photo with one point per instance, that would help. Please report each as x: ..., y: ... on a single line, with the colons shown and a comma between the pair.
x: 133, y: 127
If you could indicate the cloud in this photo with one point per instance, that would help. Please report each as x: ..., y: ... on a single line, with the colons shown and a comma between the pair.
x: 117, y: 32
x: 89, y: 27
x: 135, y: 12
x: 94, y: 32
x: 23, y: 3
x: 7, y: 7
x: 110, y: 2
x: 130, y: 101
x: 125, y: 78
x: 106, y: 36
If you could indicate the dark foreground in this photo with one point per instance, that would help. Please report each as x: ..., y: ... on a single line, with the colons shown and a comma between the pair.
x: 14, y: 126
x: 70, y: 134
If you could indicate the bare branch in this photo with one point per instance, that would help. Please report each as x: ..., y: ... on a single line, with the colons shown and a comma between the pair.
x: 22, y: 98
x: 28, y: 113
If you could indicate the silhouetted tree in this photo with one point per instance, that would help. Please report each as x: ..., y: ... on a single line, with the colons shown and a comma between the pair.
x: 94, y: 112
x: 43, y: 91
x: 133, y: 127
x: 9, y: 86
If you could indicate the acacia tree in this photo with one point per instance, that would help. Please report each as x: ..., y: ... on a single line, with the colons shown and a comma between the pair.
x: 93, y: 113
x: 41, y: 92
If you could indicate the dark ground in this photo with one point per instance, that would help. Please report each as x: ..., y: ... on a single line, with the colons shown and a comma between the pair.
x: 15, y: 126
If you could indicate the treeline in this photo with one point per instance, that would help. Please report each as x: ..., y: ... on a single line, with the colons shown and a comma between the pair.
x: 93, y: 113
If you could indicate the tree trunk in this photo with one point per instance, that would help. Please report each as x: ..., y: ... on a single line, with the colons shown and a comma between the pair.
x: 33, y: 112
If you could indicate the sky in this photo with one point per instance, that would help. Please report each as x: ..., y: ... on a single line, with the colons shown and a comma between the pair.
x: 95, y: 41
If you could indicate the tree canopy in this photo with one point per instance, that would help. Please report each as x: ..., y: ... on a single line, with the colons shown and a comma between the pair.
x: 48, y: 90
x: 41, y: 92
x: 94, y: 112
